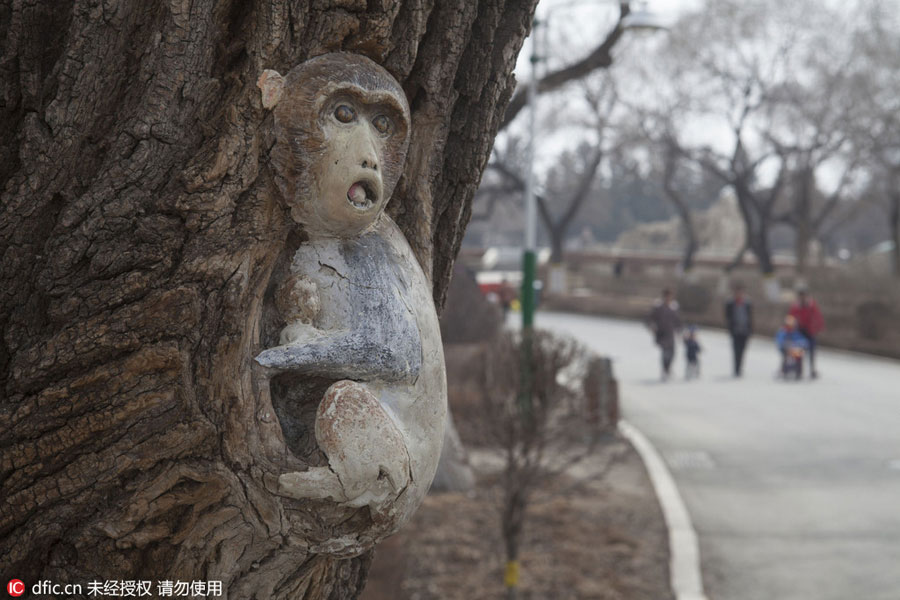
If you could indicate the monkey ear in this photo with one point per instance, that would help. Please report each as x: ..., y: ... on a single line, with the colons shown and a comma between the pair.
x: 271, y: 83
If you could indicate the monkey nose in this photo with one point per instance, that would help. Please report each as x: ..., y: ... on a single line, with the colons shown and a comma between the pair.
x: 368, y: 163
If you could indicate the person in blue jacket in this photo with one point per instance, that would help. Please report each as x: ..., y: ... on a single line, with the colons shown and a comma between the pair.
x: 793, y: 346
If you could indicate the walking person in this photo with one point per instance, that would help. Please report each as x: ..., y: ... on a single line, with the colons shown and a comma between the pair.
x: 739, y: 320
x: 665, y: 322
x: 810, y: 323
x: 692, y: 351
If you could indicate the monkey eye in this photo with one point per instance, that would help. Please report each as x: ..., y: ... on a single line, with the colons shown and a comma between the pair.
x: 344, y: 113
x: 382, y: 124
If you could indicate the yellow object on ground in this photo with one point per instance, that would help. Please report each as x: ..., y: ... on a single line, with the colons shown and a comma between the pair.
x: 511, y: 576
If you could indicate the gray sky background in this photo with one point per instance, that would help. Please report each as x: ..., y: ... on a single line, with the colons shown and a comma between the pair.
x: 569, y: 30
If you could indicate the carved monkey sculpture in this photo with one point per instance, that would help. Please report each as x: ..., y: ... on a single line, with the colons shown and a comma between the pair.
x: 357, y: 307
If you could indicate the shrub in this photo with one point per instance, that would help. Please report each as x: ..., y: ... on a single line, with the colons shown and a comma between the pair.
x: 873, y: 318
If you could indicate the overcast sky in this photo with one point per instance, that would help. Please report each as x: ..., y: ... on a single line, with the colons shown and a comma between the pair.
x: 569, y: 30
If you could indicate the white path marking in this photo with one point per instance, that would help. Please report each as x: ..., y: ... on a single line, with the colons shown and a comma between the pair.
x: 684, y: 552
x: 690, y: 460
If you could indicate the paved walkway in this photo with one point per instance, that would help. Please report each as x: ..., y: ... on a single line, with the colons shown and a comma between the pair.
x: 793, y: 487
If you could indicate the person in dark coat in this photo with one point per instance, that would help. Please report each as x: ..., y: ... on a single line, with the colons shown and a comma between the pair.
x: 739, y: 320
x: 665, y: 322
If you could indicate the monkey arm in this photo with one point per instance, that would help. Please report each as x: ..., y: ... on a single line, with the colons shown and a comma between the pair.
x: 352, y: 355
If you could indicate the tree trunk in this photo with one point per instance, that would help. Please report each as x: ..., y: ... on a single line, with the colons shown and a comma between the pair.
x: 512, y: 525
x: 690, y: 246
x: 759, y: 245
x: 894, y: 220
x: 681, y: 207
x: 803, y: 218
x: 756, y: 224
x: 140, y: 227
x: 557, y: 240
x: 801, y: 250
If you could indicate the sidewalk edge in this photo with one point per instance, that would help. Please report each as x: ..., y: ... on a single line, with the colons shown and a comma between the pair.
x: 684, y: 551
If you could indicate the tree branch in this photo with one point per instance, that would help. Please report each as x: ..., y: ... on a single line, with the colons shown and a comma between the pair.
x: 776, y: 188
x: 668, y: 184
x: 519, y: 184
x: 581, y: 192
x: 834, y: 198
x: 599, y: 58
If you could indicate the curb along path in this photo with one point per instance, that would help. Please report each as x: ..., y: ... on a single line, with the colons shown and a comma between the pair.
x: 684, y: 561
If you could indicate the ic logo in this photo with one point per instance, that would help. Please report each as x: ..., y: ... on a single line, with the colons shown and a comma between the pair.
x: 15, y: 587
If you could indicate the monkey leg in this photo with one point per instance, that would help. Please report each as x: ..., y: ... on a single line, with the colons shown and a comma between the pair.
x: 364, y: 446
x: 367, y: 454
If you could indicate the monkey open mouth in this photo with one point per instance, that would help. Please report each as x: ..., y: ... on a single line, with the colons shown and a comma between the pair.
x: 362, y: 195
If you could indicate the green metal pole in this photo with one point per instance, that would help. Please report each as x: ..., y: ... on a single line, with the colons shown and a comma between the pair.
x: 527, y: 376
x: 529, y: 267
x: 529, y: 261
x: 528, y: 258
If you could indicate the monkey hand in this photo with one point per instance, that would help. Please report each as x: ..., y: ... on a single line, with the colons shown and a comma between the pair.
x: 298, y: 302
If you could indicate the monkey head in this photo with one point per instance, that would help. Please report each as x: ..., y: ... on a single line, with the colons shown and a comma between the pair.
x: 342, y: 131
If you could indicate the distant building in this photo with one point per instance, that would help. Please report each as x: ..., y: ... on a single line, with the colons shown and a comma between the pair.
x: 878, y: 259
x: 719, y: 229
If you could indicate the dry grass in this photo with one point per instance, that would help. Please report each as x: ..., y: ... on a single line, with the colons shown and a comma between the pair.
x: 595, y: 538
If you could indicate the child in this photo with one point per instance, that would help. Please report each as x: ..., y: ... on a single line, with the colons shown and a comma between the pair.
x: 793, y: 345
x: 692, y: 351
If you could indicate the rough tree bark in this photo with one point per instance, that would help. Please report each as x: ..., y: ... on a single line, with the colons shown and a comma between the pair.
x: 139, y: 230
x: 670, y: 166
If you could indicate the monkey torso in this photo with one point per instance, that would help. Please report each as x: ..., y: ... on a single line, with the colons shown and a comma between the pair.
x: 377, y: 325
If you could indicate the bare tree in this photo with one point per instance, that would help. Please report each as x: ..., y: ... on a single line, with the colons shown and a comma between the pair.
x: 655, y: 132
x: 140, y: 227
x: 557, y: 227
x: 538, y: 423
x: 811, y: 212
x: 810, y: 123
x: 877, y: 101
x: 503, y: 183
x: 570, y: 184
x: 738, y: 170
x: 894, y: 221
x: 735, y: 67
x: 598, y: 58
x: 671, y: 158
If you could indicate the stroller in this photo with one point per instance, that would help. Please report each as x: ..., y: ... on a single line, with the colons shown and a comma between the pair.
x: 793, y: 346
x: 792, y: 363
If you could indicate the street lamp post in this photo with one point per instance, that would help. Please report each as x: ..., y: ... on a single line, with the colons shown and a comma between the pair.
x: 638, y: 19
x: 529, y: 260
x: 642, y: 20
